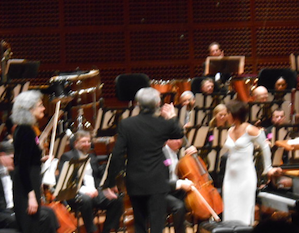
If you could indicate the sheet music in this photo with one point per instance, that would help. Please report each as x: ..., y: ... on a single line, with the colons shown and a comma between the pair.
x: 70, y: 179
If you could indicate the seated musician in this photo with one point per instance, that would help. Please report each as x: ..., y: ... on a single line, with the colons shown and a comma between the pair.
x: 179, y: 187
x: 278, y: 118
x: 187, y: 99
x: 207, y: 86
x: 280, y: 86
x: 7, y: 216
x: 90, y: 194
x: 260, y: 94
x: 219, y: 119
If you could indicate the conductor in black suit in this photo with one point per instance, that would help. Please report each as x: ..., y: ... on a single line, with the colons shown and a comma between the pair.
x: 90, y: 194
x: 141, y: 139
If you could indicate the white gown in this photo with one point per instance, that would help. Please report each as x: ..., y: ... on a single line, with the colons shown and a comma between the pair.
x: 240, y: 179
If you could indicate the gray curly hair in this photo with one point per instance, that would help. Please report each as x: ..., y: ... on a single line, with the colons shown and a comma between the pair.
x: 148, y: 99
x: 24, y: 102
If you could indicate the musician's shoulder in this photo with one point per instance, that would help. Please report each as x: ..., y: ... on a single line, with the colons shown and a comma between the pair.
x: 252, y: 130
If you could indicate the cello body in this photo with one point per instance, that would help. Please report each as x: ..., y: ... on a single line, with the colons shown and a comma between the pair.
x: 193, y: 168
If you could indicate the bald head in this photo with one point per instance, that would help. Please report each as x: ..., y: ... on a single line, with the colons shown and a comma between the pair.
x: 260, y: 94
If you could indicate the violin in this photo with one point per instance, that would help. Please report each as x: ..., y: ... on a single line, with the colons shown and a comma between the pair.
x: 203, y: 199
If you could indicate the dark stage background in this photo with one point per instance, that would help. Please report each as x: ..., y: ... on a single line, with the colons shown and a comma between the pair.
x: 166, y: 39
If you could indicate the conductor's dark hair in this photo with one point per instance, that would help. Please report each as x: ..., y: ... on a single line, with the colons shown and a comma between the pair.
x: 238, y: 110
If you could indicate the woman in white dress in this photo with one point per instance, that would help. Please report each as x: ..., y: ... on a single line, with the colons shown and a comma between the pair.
x: 240, y: 179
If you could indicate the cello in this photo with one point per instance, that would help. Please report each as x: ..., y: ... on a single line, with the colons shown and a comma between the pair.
x: 203, y: 199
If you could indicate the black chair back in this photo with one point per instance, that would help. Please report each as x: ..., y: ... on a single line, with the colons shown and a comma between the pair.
x: 128, y: 84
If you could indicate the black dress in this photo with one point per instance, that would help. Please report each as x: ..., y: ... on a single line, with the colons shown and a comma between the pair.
x: 27, y: 177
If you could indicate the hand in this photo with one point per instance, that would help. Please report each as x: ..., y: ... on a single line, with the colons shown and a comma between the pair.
x: 32, y: 203
x: 168, y: 111
x: 44, y: 158
x: 275, y: 171
x: 93, y: 193
x: 191, y: 150
x: 109, y: 194
x: 186, y: 185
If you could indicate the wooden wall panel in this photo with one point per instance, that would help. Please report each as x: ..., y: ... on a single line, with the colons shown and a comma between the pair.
x: 277, y: 41
x: 28, y: 14
x: 278, y: 10
x: 166, y: 39
x: 159, y: 45
x: 85, y: 47
x: 158, y: 12
x: 221, y: 11
x: 93, y: 12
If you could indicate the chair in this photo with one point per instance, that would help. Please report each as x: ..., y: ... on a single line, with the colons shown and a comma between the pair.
x: 267, y: 78
x: 196, y: 84
x: 294, y: 61
x: 128, y: 84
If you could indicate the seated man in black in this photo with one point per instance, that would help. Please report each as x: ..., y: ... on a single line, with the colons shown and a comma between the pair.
x: 90, y: 194
x: 7, y: 216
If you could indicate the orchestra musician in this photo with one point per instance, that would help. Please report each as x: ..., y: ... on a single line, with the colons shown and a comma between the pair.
x: 27, y: 110
x: 219, y: 119
x: 215, y: 50
x: 7, y: 217
x: 207, y: 86
x: 278, y: 118
x: 179, y: 187
x: 260, y: 94
x: 90, y: 193
x: 187, y: 99
x: 141, y: 138
x: 240, y: 179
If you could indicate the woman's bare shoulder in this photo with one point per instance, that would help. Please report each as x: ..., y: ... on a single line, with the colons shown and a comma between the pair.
x: 253, y: 130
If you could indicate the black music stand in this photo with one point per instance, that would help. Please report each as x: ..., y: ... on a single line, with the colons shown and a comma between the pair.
x: 70, y: 179
x: 19, y: 70
x: 224, y: 65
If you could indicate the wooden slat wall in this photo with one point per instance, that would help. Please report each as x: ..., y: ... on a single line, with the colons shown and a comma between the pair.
x: 165, y: 39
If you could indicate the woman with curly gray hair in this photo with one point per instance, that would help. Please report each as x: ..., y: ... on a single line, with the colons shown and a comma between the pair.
x: 28, y: 108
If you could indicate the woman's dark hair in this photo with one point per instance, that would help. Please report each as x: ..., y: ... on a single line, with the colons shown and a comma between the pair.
x: 238, y: 109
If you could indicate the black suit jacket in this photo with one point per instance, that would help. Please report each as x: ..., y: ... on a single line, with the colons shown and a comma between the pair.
x: 141, y: 138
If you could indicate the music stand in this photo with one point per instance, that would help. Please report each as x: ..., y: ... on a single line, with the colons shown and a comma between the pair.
x: 70, y: 179
x: 224, y: 65
x: 18, y: 70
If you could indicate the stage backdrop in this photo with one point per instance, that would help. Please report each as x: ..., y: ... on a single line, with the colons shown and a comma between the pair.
x: 166, y: 39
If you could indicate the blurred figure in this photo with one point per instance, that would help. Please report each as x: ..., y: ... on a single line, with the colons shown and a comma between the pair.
x: 219, y: 116
x: 178, y: 187
x: 187, y: 99
x: 220, y: 119
x: 280, y: 87
x: 215, y: 50
x: 260, y: 94
x: 27, y: 110
x: 278, y: 118
x: 240, y: 179
x: 90, y: 193
x: 7, y: 215
x: 207, y: 86
x: 139, y: 148
x: 280, y: 84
